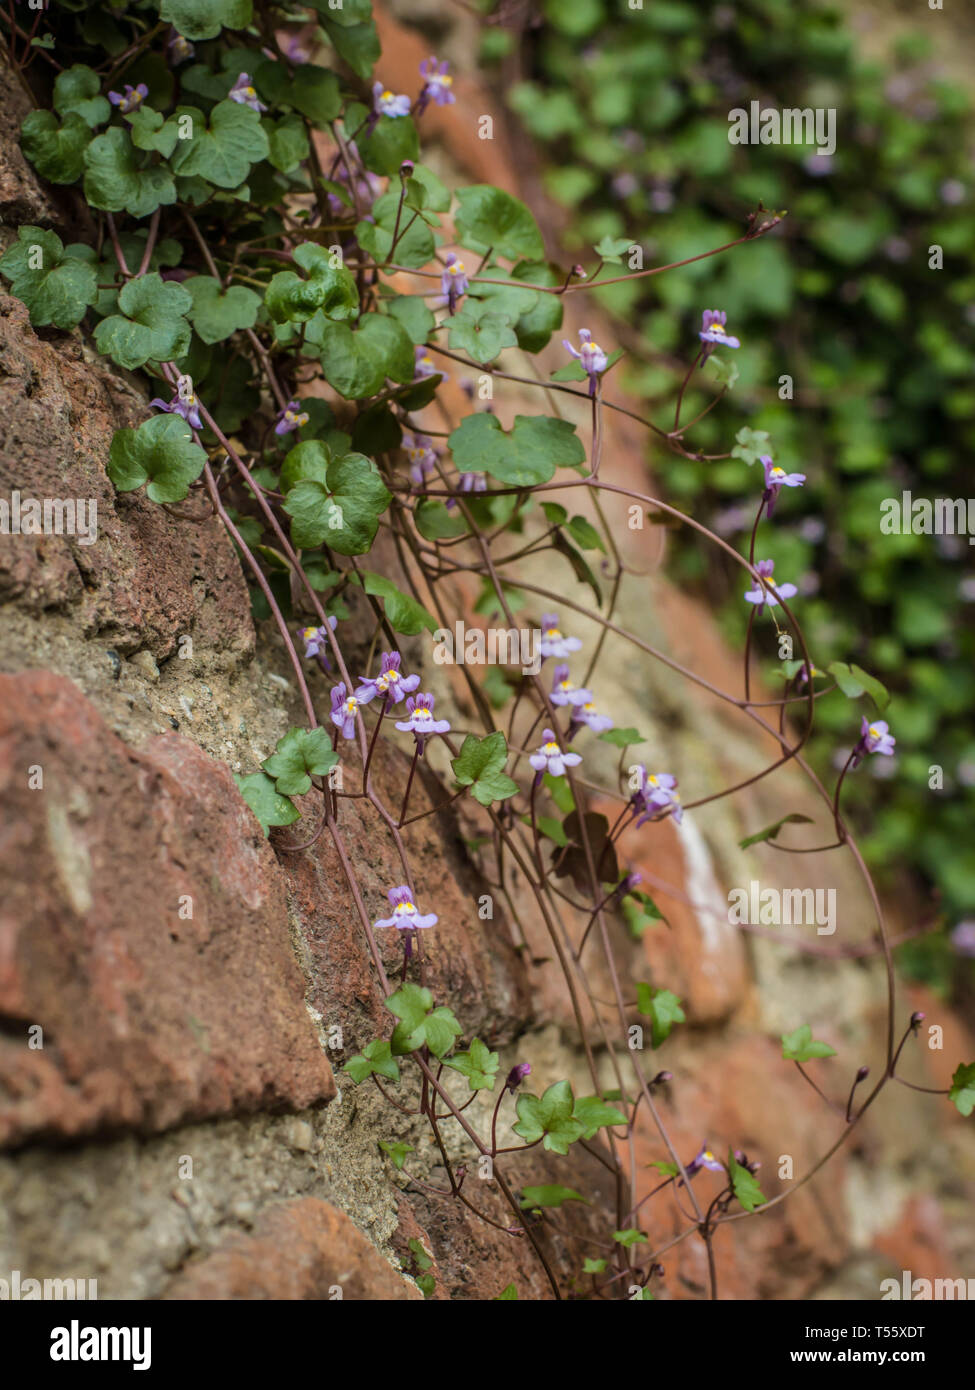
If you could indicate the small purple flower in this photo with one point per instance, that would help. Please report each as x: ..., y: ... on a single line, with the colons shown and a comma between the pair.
x: 386, y: 103
x: 469, y: 482
x: 592, y: 357
x: 713, y: 331
x: 422, y: 456
x: 453, y: 282
x: 405, y: 913
x: 184, y: 403
x: 425, y: 365
x: 344, y: 709
x: 517, y: 1075
x: 389, y: 683
x: 179, y: 49
x: 553, y: 642
x: 245, y: 95
x: 419, y: 719
x: 658, y: 794
x: 565, y: 693
x: 874, y: 738
x: 316, y: 641
x: 437, y: 83
x: 703, y: 1159
x: 550, y: 757
x: 130, y: 99
x: 963, y: 938
x: 589, y: 715
x: 292, y: 417
x: 776, y: 479
x: 761, y: 595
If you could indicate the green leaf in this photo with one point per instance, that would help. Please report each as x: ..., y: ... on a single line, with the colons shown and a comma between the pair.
x: 622, y: 738
x: 392, y: 141
x: 752, y: 444
x: 114, y: 181
x: 415, y: 245
x: 479, y: 1064
x: 550, y: 1116
x: 357, y: 364
x: 358, y: 44
x: 215, y: 312
x: 725, y: 373
x: 151, y: 131
x: 77, y: 91
x: 629, y: 1237
x: 421, y: 1024
x: 962, y: 1093
x: 548, y: 826
x: 560, y: 792
x: 509, y: 1294
x: 57, y: 289
x: 343, y: 512
x: 593, y: 1113
x: 268, y: 806
x: 425, y: 190
x: 161, y: 452
x: 414, y: 315
x: 591, y: 1266
x: 287, y: 141
x: 641, y: 912
x: 403, y: 613
x: 397, y: 1152
x: 435, y: 523
x: 536, y: 325
x: 480, y: 332
x: 854, y: 682
x: 488, y: 217
x: 662, y: 1007
x: 528, y: 455
x: 745, y: 1187
x: 378, y: 1058
x: 311, y: 90
x: 203, y: 19
x: 224, y: 149
x: 328, y: 287
x: 480, y: 766
x: 771, y: 831
x: 800, y: 1046
x: 151, y: 325
x: 300, y: 755
x: 611, y: 249
x: 550, y: 1195
x: 57, y: 151
x: 585, y: 534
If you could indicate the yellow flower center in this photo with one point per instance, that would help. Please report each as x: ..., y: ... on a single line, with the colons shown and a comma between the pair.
x: 566, y: 685
x: 550, y: 748
x: 308, y: 633
x: 591, y: 347
x: 352, y: 704
x: 708, y: 1155
x: 874, y: 733
x: 387, y: 96
x: 455, y: 268
x: 777, y: 472
x: 590, y: 707
x: 552, y: 632
x: 422, y: 713
x: 401, y: 909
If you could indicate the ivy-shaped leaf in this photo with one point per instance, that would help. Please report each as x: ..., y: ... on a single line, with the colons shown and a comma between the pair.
x: 480, y: 332
x: 358, y: 363
x: 312, y: 90
x: 161, y: 452
x: 536, y: 325
x: 752, y: 444
x: 300, y: 755
x: 343, y: 511
x: 268, y: 806
x: 216, y: 312
x: 224, y: 149
x: 800, y: 1046
x: 415, y: 245
x: 56, y: 150
x: 549, y: 1115
x: 115, y: 182
x: 328, y: 287
x: 480, y: 766
x: 377, y: 1057
x: 662, y: 1006
x: 397, y: 1152
x: 854, y: 682
x: 203, y: 19
x: 56, y: 288
x: 77, y: 91
x: 745, y: 1187
x: 962, y: 1093
x: 488, y: 217
x: 151, y: 325
x: 528, y: 455
x: 287, y: 142
x: 420, y: 1023
x: 403, y: 613
x: 479, y: 1064
x: 391, y: 142
x: 592, y: 1112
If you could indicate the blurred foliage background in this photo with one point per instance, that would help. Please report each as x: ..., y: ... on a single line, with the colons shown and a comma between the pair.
x: 631, y: 109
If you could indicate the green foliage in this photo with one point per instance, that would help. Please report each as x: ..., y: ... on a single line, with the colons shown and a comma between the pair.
x: 962, y: 1093
x: 268, y: 805
x: 377, y: 1058
x: 300, y: 755
x: 480, y: 766
x: 216, y: 313
x: 800, y: 1046
x: 559, y: 1120
x: 56, y: 286
x: 744, y: 1185
x: 491, y: 219
x: 420, y: 1024
x: 343, y: 510
x: 478, y: 1064
x: 161, y: 452
x: 661, y: 1006
x: 151, y: 325
x: 528, y: 454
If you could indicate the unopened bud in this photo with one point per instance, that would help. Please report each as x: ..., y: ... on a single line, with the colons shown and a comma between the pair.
x: 863, y: 1073
x: 661, y: 1077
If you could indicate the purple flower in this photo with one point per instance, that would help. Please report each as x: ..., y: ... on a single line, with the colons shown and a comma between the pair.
x: 874, y: 738
x: 244, y: 94
x: 469, y: 482
x: 517, y: 1075
x: 184, y: 403
x: 316, y: 640
x: 130, y: 99
x: 179, y: 49
x: 419, y: 719
x: 776, y: 479
x: 550, y: 757
x: 424, y: 364
x: 553, y: 643
x: 588, y: 715
x: 422, y: 456
x: 963, y: 938
x: 713, y: 331
x: 565, y: 693
x: 657, y: 795
x: 385, y: 103
x: 389, y: 683
x: 761, y: 595
x: 592, y: 357
x: 703, y: 1159
x: 405, y: 914
x: 292, y: 417
x: 437, y: 83
x: 453, y: 282
x: 344, y: 709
